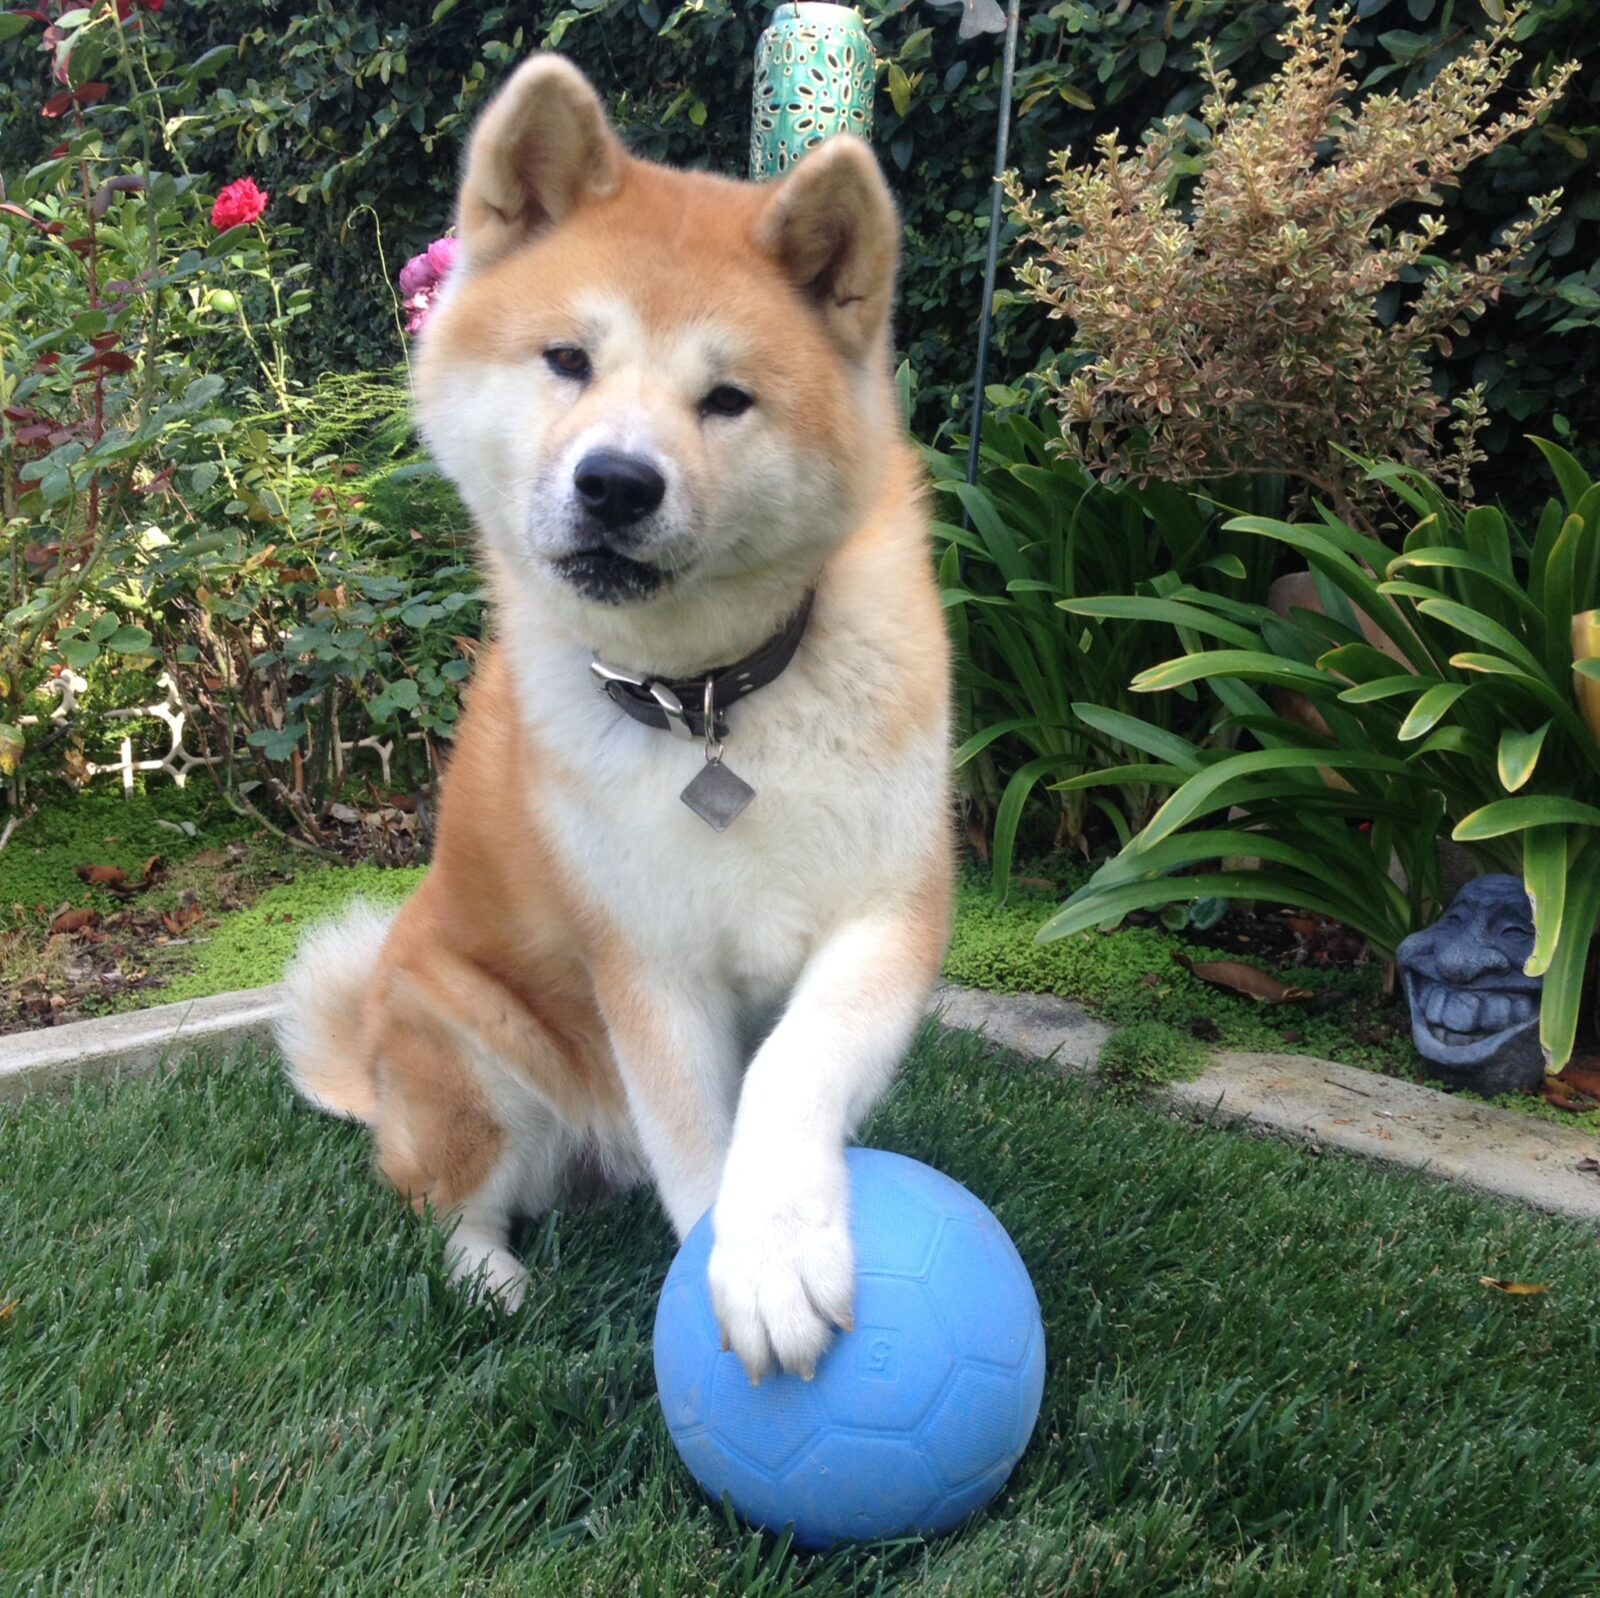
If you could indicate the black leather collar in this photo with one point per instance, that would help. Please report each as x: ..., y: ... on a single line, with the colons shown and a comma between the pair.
x: 678, y: 704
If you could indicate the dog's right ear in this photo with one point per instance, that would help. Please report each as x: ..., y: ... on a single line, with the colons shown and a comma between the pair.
x: 541, y: 147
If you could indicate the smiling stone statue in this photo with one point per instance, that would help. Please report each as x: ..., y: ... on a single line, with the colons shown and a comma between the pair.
x: 1474, y: 1015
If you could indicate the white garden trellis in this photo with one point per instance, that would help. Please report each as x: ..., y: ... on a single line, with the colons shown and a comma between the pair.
x: 177, y: 761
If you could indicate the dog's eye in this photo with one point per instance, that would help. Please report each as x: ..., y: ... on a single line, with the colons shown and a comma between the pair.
x: 726, y: 400
x: 567, y: 360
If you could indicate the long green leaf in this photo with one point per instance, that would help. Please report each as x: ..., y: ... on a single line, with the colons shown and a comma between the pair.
x: 1204, y: 792
x: 1357, y: 662
x: 1365, y: 693
x: 1496, y: 819
x: 1461, y: 560
x: 1185, y: 849
x: 1425, y: 715
x: 1343, y: 556
x: 1519, y: 754
x: 1562, y: 997
x: 1485, y: 630
x: 1009, y: 815
x: 1118, y: 776
x: 979, y: 741
x: 1138, y: 734
x: 1136, y: 607
x: 1573, y: 481
x: 1544, y: 874
x: 1254, y: 665
x: 1087, y: 909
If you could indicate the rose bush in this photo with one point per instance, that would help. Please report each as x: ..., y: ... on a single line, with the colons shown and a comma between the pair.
x: 172, y: 499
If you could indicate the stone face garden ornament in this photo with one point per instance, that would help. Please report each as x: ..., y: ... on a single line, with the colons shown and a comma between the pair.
x: 1474, y: 1014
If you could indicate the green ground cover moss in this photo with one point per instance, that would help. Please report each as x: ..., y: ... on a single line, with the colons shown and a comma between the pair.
x: 1132, y: 976
x: 251, y: 947
x: 100, y: 827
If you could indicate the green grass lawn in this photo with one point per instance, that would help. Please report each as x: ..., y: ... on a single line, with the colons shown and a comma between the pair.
x: 229, y: 1365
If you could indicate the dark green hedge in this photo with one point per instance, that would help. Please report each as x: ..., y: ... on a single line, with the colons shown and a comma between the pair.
x: 336, y: 107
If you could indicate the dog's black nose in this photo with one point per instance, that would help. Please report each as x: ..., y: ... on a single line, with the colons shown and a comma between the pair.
x: 616, y: 489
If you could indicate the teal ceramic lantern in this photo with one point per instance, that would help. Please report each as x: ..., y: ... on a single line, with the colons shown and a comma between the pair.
x: 815, y: 76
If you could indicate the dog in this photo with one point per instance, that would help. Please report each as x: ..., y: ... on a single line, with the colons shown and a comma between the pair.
x: 692, y: 873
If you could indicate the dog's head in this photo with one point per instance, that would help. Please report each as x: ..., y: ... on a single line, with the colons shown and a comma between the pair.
x: 657, y: 390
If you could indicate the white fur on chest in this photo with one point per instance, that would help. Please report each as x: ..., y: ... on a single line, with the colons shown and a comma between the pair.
x: 835, y: 826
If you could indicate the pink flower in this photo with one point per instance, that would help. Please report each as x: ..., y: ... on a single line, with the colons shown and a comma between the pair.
x: 421, y: 279
x: 240, y: 202
x: 442, y: 256
x: 416, y: 275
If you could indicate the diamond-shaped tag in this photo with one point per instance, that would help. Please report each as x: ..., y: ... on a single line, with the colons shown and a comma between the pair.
x: 717, y: 796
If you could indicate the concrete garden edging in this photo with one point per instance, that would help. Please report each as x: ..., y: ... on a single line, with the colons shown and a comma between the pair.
x: 138, y: 1043
x: 1317, y: 1103
x: 1322, y: 1105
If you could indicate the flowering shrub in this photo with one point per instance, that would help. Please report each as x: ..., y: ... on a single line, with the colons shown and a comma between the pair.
x: 421, y: 279
x: 107, y: 320
x: 170, y: 497
x: 1239, y: 325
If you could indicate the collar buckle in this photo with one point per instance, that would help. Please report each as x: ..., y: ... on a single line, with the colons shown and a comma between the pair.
x: 670, y: 705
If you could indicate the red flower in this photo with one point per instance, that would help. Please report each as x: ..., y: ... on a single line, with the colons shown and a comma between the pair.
x: 240, y: 202
x: 126, y: 8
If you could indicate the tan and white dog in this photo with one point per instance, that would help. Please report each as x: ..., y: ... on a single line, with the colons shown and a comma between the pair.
x: 666, y: 399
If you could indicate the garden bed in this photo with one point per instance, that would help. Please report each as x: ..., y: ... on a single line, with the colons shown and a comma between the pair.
x: 229, y: 902
x: 169, y: 895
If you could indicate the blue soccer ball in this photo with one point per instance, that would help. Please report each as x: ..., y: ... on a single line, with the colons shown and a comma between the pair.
x: 915, y: 1418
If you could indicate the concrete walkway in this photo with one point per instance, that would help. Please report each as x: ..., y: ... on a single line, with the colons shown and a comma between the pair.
x: 1313, y: 1102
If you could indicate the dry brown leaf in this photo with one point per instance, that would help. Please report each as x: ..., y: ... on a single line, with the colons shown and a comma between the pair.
x: 1245, y: 980
x: 1581, y: 1075
x: 178, y: 921
x: 101, y: 876
x: 1516, y: 1289
x: 1555, y: 1092
x: 8, y: 1309
x: 74, y: 920
x: 115, y: 880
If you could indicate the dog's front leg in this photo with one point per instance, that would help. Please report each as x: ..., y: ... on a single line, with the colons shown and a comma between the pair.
x: 677, y: 1048
x: 782, y: 1268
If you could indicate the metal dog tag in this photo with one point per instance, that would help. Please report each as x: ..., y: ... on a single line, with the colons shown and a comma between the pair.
x: 717, y: 796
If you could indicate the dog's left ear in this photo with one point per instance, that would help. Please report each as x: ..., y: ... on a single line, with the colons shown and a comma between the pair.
x: 541, y: 148
x: 832, y: 226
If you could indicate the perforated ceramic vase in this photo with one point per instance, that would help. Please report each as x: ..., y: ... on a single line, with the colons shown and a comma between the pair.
x: 815, y: 76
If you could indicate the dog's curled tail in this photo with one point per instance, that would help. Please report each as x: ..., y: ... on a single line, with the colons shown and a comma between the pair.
x: 319, y: 1026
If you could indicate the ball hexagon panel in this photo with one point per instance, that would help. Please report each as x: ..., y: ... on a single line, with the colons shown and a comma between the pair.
x: 896, y: 1233
x: 887, y: 1484
x: 899, y: 1358
x: 765, y: 1426
x: 994, y: 1323
x: 978, y: 1421
x: 684, y: 1363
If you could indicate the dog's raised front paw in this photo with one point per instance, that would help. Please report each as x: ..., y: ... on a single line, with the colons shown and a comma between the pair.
x: 782, y: 1269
